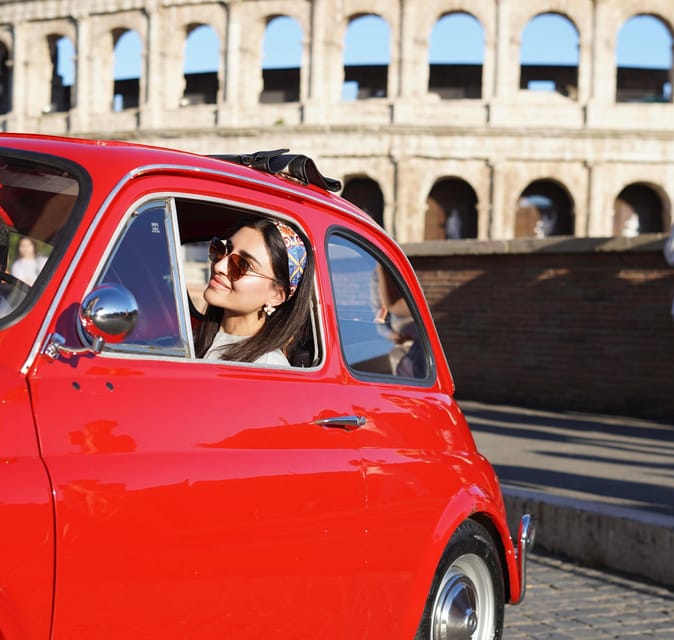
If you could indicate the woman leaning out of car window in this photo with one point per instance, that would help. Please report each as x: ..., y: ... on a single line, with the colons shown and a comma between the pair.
x: 258, y: 294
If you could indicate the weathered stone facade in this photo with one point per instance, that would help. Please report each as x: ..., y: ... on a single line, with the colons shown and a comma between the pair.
x: 583, y: 145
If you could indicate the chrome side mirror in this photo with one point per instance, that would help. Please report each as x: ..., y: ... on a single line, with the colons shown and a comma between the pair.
x: 108, y: 313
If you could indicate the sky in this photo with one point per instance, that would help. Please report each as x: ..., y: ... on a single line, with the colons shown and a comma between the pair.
x: 644, y: 41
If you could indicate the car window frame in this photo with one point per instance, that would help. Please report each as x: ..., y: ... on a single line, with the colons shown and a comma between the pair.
x: 178, y: 268
x: 378, y: 254
x: 66, y: 234
x: 184, y: 328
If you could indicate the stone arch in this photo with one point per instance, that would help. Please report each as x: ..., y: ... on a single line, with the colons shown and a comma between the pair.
x: 5, y: 78
x: 545, y: 208
x: 368, y: 79
x: 200, y: 65
x: 366, y: 194
x: 557, y: 69
x: 640, y: 207
x: 451, y: 210
x: 281, y: 78
x: 62, y: 54
x: 128, y: 69
x: 246, y: 81
x: 636, y: 82
x: 452, y: 74
x: 106, y: 30
x: 43, y: 89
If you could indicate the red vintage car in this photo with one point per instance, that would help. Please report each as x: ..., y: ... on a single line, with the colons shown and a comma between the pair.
x: 149, y: 493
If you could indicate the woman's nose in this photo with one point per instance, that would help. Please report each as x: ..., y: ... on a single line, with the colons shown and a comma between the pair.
x: 220, y: 266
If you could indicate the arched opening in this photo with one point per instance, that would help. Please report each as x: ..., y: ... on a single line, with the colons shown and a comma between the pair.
x: 128, y: 69
x: 62, y: 54
x: 549, y: 55
x: 202, y: 53
x: 451, y: 211
x: 281, y: 60
x: 544, y: 209
x: 366, y: 194
x: 644, y: 60
x: 456, y: 56
x: 638, y: 209
x: 5, y: 80
x: 367, y: 53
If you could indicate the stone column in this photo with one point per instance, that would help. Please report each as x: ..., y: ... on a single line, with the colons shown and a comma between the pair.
x: 585, y: 61
x: 413, y: 63
x: 395, y: 62
x: 251, y: 36
x: 499, y: 226
x: 485, y: 202
x: 328, y: 52
x: 33, y: 70
x: 19, y: 80
x: 228, y: 113
x: 507, y: 53
x: 83, y: 81
x: 583, y: 211
x: 100, y: 59
x: 489, y: 62
x: 604, y: 60
x: 409, y: 213
x: 325, y: 70
x: 163, y: 68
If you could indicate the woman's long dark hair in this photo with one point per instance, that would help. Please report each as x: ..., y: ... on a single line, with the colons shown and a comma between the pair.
x: 286, y: 326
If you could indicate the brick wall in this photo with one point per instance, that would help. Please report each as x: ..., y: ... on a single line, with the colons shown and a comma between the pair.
x: 580, y: 324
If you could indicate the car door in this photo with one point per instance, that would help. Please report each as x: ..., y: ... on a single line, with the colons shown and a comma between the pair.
x: 193, y: 499
x: 410, y: 452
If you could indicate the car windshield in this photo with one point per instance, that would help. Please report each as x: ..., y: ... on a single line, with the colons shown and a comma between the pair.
x: 36, y: 203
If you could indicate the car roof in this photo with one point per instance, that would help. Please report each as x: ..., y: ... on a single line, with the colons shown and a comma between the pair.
x: 110, y: 160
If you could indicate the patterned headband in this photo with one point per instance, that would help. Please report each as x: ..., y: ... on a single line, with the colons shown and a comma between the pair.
x: 297, y: 254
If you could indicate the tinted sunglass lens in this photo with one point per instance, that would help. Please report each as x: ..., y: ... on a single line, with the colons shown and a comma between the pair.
x: 237, y: 266
x: 217, y: 250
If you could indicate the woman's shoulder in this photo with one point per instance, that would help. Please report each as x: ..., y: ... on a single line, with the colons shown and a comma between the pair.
x: 276, y: 357
x: 222, y: 340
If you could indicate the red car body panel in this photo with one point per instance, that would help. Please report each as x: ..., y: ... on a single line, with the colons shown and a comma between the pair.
x: 144, y: 495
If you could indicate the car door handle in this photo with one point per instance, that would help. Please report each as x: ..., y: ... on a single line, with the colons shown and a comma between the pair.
x: 348, y: 423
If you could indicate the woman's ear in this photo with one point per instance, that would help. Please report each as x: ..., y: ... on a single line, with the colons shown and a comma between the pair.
x: 277, y: 297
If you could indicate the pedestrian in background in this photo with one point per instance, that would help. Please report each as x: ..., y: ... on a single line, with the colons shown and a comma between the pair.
x: 28, y: 264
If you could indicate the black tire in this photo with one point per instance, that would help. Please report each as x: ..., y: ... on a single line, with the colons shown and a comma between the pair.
x: 466, y: 601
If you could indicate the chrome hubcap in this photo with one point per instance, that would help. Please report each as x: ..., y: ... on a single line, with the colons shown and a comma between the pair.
x: 464, y: 607
x: 455, y: 611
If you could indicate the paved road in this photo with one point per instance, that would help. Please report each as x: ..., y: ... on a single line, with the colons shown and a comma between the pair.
x: 601, y: 487
x: 565, y: 601
x: 611, y: 460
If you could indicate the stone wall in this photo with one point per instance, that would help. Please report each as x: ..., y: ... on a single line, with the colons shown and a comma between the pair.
x: 575, y: 324
x: 586, y: 142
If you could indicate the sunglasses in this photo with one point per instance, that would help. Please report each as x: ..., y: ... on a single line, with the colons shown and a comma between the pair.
x: 237, y: 265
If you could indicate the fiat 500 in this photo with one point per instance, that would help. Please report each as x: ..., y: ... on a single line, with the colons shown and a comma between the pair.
x: 147, y: 492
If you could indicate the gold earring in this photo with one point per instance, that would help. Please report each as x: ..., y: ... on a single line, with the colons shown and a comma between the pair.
x: 268, y: 309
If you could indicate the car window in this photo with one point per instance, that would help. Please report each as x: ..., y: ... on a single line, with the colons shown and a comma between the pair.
x: 37, y: 216
x: 200, y: 220
x: 379, y: 331
x: 141, y: 262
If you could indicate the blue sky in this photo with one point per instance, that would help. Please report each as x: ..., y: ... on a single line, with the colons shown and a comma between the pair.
x: 644, y: 41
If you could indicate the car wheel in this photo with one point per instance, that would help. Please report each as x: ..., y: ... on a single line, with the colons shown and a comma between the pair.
x: 466, y: 601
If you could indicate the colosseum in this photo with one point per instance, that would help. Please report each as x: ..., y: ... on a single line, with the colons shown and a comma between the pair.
x: 432, y: 150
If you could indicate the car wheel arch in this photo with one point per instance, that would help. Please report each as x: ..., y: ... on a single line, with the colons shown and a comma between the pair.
x: 461, y: 508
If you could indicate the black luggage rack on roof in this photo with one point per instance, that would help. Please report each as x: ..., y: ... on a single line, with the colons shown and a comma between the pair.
x: 296, y: 166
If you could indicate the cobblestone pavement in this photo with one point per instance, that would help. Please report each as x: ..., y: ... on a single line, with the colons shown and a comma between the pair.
x: 566, y: 601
